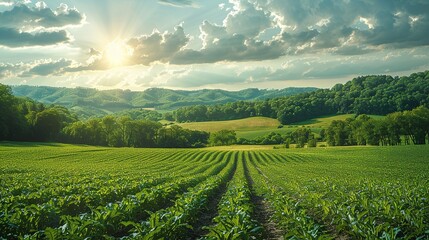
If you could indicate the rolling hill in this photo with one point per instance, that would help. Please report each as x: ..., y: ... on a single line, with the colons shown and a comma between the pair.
x: 87, y: 102
x: 254, y: 127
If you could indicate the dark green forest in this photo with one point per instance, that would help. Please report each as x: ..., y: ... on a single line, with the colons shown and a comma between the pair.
x: 378, y: 95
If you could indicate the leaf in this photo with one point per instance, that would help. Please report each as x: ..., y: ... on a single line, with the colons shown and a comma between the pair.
x: 51, y: 234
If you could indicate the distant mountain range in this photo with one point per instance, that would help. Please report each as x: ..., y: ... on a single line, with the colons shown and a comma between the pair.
x: 87, y: 102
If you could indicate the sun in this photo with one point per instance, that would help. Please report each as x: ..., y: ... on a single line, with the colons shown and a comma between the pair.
x: 117, y: 53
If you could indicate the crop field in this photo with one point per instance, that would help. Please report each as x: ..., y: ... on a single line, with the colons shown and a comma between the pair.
x: 56, y: 191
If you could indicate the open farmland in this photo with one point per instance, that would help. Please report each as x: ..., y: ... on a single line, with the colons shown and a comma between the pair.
x: 71, y: 192
x: 254, y: 127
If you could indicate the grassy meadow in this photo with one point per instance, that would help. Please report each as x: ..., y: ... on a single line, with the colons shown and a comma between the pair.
x: 62, y: 191
x: 254, y: 127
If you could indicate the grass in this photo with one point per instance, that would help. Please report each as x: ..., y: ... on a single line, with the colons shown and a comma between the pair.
x: 254, y: 127
x: 246, y: 124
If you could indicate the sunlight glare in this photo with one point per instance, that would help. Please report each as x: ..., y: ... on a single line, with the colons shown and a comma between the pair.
x: 117, y: 53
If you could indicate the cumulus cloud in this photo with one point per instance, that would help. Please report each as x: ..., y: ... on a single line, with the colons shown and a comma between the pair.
x: 43, y: 67
x: 11, y: 37
x: 47, y: 67
x: 234, y: 40
x: 233, y: 48
x: 40, y: 16
x: 158, y: 46
x: 24, y: 26
x: 316, y: 25
x: 246, y: 20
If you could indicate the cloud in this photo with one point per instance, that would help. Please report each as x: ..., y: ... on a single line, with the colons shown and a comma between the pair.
x: 158, y: 46
x: 40, y: 16
x: 235, y: 48
x: 47, y: 67
x: 317, y: 25
x: 8, y: 70
x: 246, y: 20
x: 178, y: 3
x: 235, y: 40
x: 6, y: 3
x: 25, y: 26
x: 143, y: 50
x: 13, y: 38
x: 42, y: 67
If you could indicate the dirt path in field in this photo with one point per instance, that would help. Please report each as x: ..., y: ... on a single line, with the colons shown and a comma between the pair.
x: 206, y: 217
x: 262, y: 212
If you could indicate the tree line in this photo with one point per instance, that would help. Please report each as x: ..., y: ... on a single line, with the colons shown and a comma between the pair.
x: 407, y: 127
x: 378, y: 95
x: 395, y: 129
x: 23, y: 119
x: 125, y: 132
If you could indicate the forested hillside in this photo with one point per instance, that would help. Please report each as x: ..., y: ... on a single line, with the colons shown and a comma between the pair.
x: 23, y: 119
x: 86, y: 102
x: 367, y: 94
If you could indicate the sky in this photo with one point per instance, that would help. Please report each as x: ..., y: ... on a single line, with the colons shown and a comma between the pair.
x: 222, y: 44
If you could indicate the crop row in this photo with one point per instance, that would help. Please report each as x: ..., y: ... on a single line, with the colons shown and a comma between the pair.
x: 234, y: 220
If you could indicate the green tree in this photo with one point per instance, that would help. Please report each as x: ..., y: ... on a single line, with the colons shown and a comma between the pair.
x: 111, y: 130
x: 9, y: 118
x: 312, y: 143
x: 48, y: 125
x: 337, y: 133
x: 223, y: 138
x: 301, y: 136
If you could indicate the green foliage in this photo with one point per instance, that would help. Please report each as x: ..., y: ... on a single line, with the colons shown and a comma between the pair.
x: 234, y: 220
x: 312, y: 143
x: 223, y: 138
x: 24, y: 119
x: 360, y: 193
x: 363, y: 95
x: 364, y: 130
x: 125, y: 132
x: 141, y: 114
x: 287, y: 143
x: 272, y: 138
x: 13, y: 124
